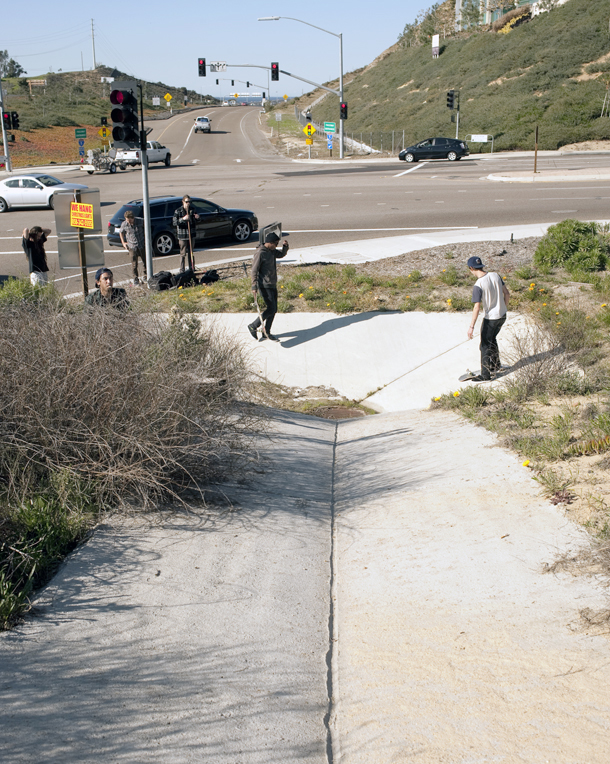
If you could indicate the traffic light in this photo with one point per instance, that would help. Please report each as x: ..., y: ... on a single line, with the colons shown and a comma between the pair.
x: 232, y: 83
x: 14, y: 120
x: 124, y: 118
x: 343, y: 110
x: 247, y: 84
x: 451, y: 99
x: 6, y: 120
x: 275, y: 71
x: 217, y: 82
x: 202, y: 67
x: 104, y: 121
x: 264, y: 94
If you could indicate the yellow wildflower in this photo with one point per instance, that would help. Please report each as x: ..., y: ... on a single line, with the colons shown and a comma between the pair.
x: 526, y: 463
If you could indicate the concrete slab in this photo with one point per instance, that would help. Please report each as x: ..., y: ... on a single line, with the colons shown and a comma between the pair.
x: 452, y: 646
x: 201, y: 639
x: 397, y: 361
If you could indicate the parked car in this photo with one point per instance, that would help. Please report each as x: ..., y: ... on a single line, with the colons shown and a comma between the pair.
x: 203, y: 125
x: 32, y: 190
x: 214, y: 221
x: 435, y: 148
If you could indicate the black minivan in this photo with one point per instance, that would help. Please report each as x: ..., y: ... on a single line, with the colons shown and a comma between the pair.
x: 435, y: 148
x: 214, y: 222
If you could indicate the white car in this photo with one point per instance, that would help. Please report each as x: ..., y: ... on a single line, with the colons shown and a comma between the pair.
x: 203, y: 125
x: 35, y: 190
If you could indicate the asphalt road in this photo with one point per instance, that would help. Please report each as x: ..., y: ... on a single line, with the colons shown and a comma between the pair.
x: 319, y: 203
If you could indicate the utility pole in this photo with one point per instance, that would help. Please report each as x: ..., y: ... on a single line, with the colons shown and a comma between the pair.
x: 145, y: 196
x: 93, y: 44
x: 4, y: 135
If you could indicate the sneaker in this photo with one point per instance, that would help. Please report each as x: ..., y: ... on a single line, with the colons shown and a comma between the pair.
x: 252, y: 331
x: 136, y: 280
x: 273, y: 337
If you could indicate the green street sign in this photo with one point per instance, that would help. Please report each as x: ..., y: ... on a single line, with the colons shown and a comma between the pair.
x: 80, y: 132
x: 330, y: 127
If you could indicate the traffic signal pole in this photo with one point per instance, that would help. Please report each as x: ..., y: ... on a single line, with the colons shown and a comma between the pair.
x: 145, y: 196
x: 4, y: 135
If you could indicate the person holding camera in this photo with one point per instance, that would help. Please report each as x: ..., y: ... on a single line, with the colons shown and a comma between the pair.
x: 184, y: 222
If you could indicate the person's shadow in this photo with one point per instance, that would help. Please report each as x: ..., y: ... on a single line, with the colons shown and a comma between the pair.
x: 299, y: 336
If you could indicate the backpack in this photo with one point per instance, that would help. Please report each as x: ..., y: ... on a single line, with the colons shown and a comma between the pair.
x: 210, y: 277
x: 161, y: 281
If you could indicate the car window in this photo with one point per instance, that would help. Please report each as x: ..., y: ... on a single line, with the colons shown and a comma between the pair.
x: 204, y: 208
x: 423, y: 144
x: 158, y: 210
x: 29, y: 183
x: 49, y: 180
x: 440, y: 141
x: 173, y: 206
x: 12, y: 183
x: 119, y: 216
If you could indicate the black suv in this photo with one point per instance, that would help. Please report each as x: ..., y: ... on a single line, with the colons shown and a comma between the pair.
x: 214, y: 222
x: 435, y: 148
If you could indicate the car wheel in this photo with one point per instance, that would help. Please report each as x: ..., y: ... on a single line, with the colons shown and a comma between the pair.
x: 409, y: 158
x: 163, y: 244
x: 3, y: 205
x: 168, y: 160
x: 452, y: 156
x: 89, y: 172
x: 51, y: 202
x: 123, y: 166
x: 242, y: 230
x: 112, y: 168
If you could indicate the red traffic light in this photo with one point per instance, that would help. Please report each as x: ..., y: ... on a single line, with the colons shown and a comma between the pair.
x: 344, y: 111
x: 275, y: 71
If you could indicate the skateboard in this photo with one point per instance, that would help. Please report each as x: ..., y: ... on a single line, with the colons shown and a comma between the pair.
x: 472, y: 374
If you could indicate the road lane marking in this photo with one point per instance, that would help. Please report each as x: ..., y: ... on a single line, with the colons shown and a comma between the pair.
x: 412, y: 169
x: 185, y: 142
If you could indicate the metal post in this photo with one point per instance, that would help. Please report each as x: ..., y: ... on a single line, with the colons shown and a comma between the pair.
x: 457, y: 121
x: 145, y: 197
x: 93, y: 45
x: 536, y: 151
x: 4, y: 135
x: 392, y: 142
x: 341, y: 98
x: 82, y: 255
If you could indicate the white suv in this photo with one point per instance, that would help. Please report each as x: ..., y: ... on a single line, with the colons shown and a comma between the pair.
x: 203, y: 125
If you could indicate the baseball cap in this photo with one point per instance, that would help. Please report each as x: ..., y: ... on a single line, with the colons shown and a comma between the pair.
x: 271, y: 237
x: 476, y: 263
x: 99, y: 272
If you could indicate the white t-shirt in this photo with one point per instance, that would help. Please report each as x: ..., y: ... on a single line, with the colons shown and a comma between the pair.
x: 488, y: 291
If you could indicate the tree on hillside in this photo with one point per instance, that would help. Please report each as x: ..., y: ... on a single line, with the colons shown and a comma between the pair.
x: 438, y: 19
x: 472, y: 14
x: 9, y: 67
x: 499, y: 5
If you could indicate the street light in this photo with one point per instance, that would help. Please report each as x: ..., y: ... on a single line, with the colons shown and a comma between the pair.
x: 334, y: 34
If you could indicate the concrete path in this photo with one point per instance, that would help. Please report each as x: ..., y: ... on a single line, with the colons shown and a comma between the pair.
x: 208, y: 639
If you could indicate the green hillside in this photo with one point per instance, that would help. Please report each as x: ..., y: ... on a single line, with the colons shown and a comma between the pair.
x: 551, y: 71
x: 80, y: 98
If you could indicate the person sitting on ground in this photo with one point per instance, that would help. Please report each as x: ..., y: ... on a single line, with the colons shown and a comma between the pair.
x: 264, y: 280
x: 106, y: 294
x: 491, y: 294
x: 33, y: 246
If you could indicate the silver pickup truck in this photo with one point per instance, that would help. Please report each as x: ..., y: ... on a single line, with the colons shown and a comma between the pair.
x: 131, y: 157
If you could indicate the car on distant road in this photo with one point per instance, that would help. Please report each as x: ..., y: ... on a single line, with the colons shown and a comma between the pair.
x: 214, y: 222
x: 31, y: 190
x: 203, y: 125
x: 435, y: 148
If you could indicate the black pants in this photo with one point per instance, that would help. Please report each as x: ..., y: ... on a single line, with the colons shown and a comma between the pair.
x: 490, y: 353
x: 269, y: 295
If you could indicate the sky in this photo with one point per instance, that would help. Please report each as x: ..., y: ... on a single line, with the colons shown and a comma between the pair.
x: 165, y: 43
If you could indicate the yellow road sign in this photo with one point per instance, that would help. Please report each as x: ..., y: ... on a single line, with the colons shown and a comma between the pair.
x: 309, y: 141
x: 105, y: 132
x: 309, y: 129
x: 167, y: 97
x: 285, y: 97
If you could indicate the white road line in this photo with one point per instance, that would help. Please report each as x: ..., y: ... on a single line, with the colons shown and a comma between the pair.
x: 185, y: 142
x: 412, y: 169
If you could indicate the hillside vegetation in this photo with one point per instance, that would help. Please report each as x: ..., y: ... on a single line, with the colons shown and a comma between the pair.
x: 80, y: 98
x: 552, y: 71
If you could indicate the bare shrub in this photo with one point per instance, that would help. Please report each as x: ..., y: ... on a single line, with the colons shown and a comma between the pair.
x: 135, y: 404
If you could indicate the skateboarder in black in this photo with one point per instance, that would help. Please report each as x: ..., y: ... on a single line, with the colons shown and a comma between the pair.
x: 491, y: 294
x: 264, y: 280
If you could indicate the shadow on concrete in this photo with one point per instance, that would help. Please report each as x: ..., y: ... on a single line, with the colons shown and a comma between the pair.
x: 299, y: 336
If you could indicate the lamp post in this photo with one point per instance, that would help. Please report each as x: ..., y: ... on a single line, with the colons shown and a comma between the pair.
x: 334, y: 34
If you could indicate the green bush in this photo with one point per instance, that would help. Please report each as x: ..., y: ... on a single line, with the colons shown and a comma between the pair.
x: 573, y: 245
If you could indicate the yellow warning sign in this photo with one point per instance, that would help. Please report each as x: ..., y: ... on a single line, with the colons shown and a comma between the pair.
x: 167, y: 97
x: 81, y: 215
x: 309, y: 141
x: 104, y: 132
x: 309, y: 129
